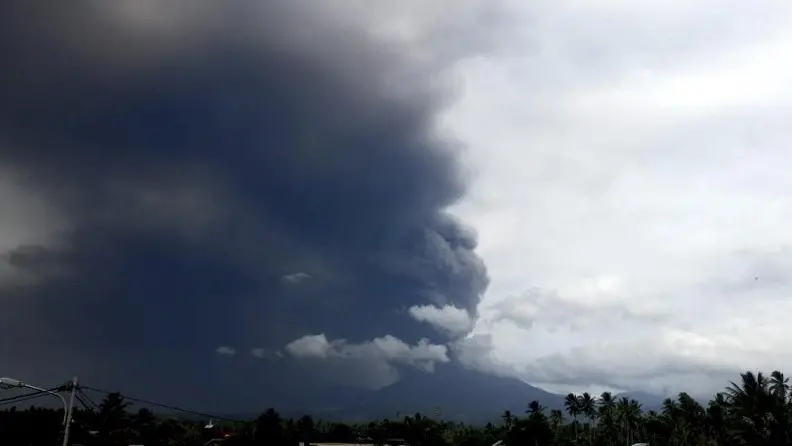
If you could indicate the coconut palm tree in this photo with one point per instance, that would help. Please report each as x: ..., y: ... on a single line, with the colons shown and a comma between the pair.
x: 605, y: 403
x: 715, y: 422
x: 535, y: 429
x: 572, y: 405
x: 606, y: 421
x: 608, y: 427
x: 691, y: 410
x: 112, y: 419
x: 535, y: 408
x: 588, y: 408
x: 628, y: 415
x: 508, y: 418
x: 686, y: 417
x: 556, y: 419
x: 757, y: 415
x: 779, y: 385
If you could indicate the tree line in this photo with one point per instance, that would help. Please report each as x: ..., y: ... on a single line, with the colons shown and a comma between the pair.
x: 755, y: 410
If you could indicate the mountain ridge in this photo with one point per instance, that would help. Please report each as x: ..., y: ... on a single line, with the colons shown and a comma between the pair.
x: 451, y: 393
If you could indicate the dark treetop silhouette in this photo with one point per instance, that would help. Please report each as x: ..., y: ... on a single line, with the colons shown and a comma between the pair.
x: 754, y: 410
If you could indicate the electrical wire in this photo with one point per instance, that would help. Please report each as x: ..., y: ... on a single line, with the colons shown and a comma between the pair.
x: 86, y: 397
x: 161, y: 405
x: 23, y: 397
x: 82, y: 397
x: 28, y: 396
x: 79, y: 399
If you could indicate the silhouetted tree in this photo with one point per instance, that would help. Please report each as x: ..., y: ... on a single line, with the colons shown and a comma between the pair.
x: 269, y: 429
x: 756, y: 410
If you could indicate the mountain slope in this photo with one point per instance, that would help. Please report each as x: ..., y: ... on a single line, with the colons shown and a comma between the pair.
x: 453, y: 393
x: 649, y: 401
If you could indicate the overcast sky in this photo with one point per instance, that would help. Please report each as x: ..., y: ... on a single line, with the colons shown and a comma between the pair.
x: 587, y: 196
x: 631, y: 192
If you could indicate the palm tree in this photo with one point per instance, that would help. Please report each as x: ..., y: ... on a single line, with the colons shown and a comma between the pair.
x: 715, y: 422
x: 534, y: 429
x: 779, y: 385
x: 507, y: 419
x: 588, y: 407
x: 755, y: 410
x: 608, y: 426
x: 112, y: 417
x: 692, y: 411
x: 605, y: 413
x: 556, y: 419
x: 761, y: 414
x: 606, y: 402
x: 572, y: 405
x: 686, y: 416
x: 750, y: 403
x: 534, y: 408
x: 670, y: 408
x: 628, y: 415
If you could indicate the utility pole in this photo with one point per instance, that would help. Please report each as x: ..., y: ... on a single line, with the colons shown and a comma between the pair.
x: 69, y: 411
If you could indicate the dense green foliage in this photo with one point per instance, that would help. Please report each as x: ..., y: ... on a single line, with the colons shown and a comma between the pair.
x: 757, y: 410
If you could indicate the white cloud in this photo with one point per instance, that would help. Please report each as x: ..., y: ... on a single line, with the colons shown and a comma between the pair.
x: 295, y: 278
x: 370, y: 363
x: 448, y: 319
x: 422, y: 355
x: 309, y: 346
x: 225, y: 350
x: 631, y: 181
x: 264, y: 353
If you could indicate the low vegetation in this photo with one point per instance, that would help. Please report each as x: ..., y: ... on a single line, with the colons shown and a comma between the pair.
x: 755, y: 410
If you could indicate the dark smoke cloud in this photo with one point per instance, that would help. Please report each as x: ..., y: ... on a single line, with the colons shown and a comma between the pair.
x: 201, y: 159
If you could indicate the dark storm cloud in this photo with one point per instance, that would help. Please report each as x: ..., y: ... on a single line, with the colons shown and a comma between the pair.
x: 198, y: 156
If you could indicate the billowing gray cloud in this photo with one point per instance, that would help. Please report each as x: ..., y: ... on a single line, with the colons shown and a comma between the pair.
x: 173, y: 163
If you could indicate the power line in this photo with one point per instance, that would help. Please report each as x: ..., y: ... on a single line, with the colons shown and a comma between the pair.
x: 81, y: 401
x: 28, y: 396
x: 84, y: 396
x: 160, y: 405
x: 24, y: 397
